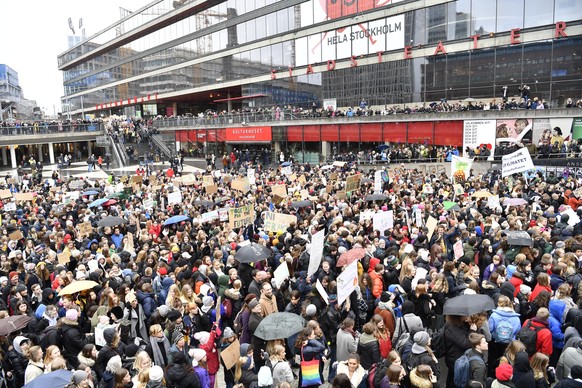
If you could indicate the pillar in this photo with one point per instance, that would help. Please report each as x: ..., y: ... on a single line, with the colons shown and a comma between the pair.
x: 325, y: 150
x: 175, y: 108
x: 51, y: 153
x: 4, y: 157
x: 13, y: 156
x: 89, y: 148
x: 40, y: 155
x: 178, y: 145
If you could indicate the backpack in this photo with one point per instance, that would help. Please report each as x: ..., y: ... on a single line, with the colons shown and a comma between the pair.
x: 529, y: 337
x: 377, y: 373
x: 237, y: 323
x: 462, y: 371
x: 227, y: 303
x: 437, y: 340
x: 404, y: 336
x: 511, y: 253
x: 503, y: 332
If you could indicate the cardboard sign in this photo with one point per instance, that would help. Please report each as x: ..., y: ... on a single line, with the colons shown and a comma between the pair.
x: 153, y: 179
x: 23, y: 196
x: 64, y: 257
x: 175, y: 197
x: 304, y: 194
x: 10, y: 207
x: 85, y: 228
x: 353, y: 182
x: 275, y: 222
x: 341, y: 194
x: 241, y: 185
x: 333, y: 176
x: 280, y: 190
x: 5, y: 194
x: 328, y: 189
x: 302, y: 180
x: 458, y: 249
x: 277, y: 199
x: 207, y: 180
x: 431, y: 225
x: 231, y: 354
x: 240, y: 217
x: 293, y: 177
x: 16, y: 235
x: 211, y: 189
x: 188, y: 180
x: 136, y: 179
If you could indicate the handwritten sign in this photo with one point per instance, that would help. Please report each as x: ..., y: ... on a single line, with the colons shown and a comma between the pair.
x: 64, y: 257
x: 188, y: 180
x: 231, y: 354
x: 10, y: 207
x: 5, y: 194
x: 242, y: 216
x: 209, y: 216
x: 16, y: 235
x: 353, y: 182
x: 175, y: 197
x: 280, y: 190
x: 211, y: 189
x: 383, y: 221
x: 241, y: 185
x: 251, y: 176
x: 207, y: 180
x: 85, y: 228
x: 458, y: 249
x: 275, y: 222
x: 23, y: 196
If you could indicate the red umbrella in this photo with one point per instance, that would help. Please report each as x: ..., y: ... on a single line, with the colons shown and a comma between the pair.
x: 110, y: 202
x: 350, y: 256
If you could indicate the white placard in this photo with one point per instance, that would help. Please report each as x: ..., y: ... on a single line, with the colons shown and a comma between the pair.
x: 516, y: 162
x: 209, y: 216
x: 458, y: 249
x: 322, y: 291
x: 175, y: 197
x: 367, y: 215
x: 476, y: 132
x: 347, y: 282
x: 574, y: 219
x: 316, y: 252
x: 383, y: 221
x: 251, y: 175
x: 286, y: 170
x: 281, y: 273
x: 93, y: 265
x: 10, y: 207
x: 378, y: 182
x: 493, y: 202
x: 148, y: 203
x: 459, y: 163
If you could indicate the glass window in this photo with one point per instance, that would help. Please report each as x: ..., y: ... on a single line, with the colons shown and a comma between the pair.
x: 261, y: 27
x: 437, y: 23
x: 271, y: 24
x: 508, y: 66
x: 510, y: 17
x: 241, y: 33
x: 539, y: 13
x: 462, y: 13
x: 566, y: 10
x: 251, y: 35
x: 483, y: 17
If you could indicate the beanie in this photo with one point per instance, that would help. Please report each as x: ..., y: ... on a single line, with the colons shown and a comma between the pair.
x: 253, y: 303
x: 12, y: 274
x: 504, y: 372
x: 228, y: 333
x: 156, y: 373
x: 176, y: 337
x: 202, y: 337
x: 72, y: 314
x: 385, y: 297
x: 163, y: 271
x: 421, y: 338
x: 311, y: 310
x: 79, y: 376
x: 173, y: 315
x: 576, y: 372
x: 197, y: 355
x: 109, y: 335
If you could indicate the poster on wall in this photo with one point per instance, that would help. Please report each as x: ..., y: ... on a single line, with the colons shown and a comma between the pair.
x: 477, y: 132
x: 511, y: 132
x: 577, y: 128
x: 547, y: 131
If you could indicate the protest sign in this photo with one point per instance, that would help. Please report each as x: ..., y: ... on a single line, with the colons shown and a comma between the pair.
x: 459, y: 190
x: 240, y: 217
x: 333, y: 176
x: 461, y: 166
x: 85, y: 228
x: 383, y: 221
x: 293, y: 177
x: 353, y: 182
x: 493, y: 202
x: 281, y: 274
x: 207, y: 180
x: 341, y: 194
x: 241, y: 184
x: 10, y: 207
x: 431, y: 225
x: 136, y: 179
x: 23, y: 196
x: 277, y: 199
x: 64, y: 257
x: 16, y: 235
x: 458, y: 249
x: 347, y: 282
x: 209, y: 216
x: 211, y: 189
x: 316, y: 253
x: 322, y: 292
x: 188, y: 180
x: 175, y: 197
x: 231, y: 354
x: 338, y: 164
x: 5, y: 194
x: 286, y: 170
x: 516, y: 162
x: 251, y: 175
x: 378, y: 182
x: 148, y: 203
x: 280, y: 190
x: 275, y: 222
x: 302, y: 180
x: 367, y: 215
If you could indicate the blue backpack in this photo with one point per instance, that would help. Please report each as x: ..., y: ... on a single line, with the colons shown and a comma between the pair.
x: 462, y: 371
x: 503, y: 332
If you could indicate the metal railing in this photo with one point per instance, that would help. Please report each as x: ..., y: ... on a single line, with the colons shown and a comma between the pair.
x: 49, y: 128
x: 115, y: 151
x: 157, y: 139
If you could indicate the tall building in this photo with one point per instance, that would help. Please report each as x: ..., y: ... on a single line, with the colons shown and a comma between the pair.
x: 175, y: 57
x: 13, y: 104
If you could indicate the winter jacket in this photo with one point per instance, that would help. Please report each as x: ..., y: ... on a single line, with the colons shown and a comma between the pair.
x: 422, y: 307
x: 568, y: 358
x: 369, y: 350
x: 203, y: 376
x: 523, y: 375
x: 383, y: 310
x: 537, y: 289
x: 18, y: 362
x: 346, y: 344
x: 73, y: 341
x: 182, y: 376
x: 33, y: 370
x: 456, y: 343
x: 413, y: 323
x: 556, y: 281
x: 281, y: 371
x: 498, y: 315
x: 544, y: 336
x: 148, y: 302
x: 377, y: 284
x: 478, y: 368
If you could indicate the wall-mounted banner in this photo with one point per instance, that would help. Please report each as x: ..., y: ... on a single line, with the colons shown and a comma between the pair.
x: 516, y: 162
x: 248, y: 134
x: 478, y: 132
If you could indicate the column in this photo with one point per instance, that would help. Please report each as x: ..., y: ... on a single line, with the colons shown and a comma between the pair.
x: 325, y: 150
x: 178, y: 145
x: 4, y: 157
x: 89, y: 148
x: 13, y: 156
x: 51, y: 153
x: 40, y: 156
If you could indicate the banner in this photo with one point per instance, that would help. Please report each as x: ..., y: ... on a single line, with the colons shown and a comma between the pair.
x: 461, y: 166
x: 516, y: 162
x: 277, y: 222
x: 316, y: 252
x: 347, y: 282
x: 383, y: 221
x: 242, y: 216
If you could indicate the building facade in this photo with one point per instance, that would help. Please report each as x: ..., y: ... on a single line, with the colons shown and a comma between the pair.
x: 13, y: 105
x: 179, y: 57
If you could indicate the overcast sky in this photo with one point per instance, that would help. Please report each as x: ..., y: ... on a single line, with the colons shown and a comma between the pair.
x: 34, y: 32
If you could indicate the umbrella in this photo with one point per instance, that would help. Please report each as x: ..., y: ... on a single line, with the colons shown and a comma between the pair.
x: 222, y: 199
x: 469, y: 99
x: 482, y: 194
x: 11, y: 324
x: 78, y: 286
x: 382, y: 147
x: 326, y: 167
x: 252, y: 253
x: 57, y: 379
x: 109, y: 202
x: 115, y: 195
x: 518, y: 237
x: 300, y: 204
x: 514, y: 201
x: 111, y: 221
x: 175, y: 220
x: 90, y: 192
x: 350, y: 256
x: 451, y: 206
x: 285, y: 164
x: 279, y: 325
x: 376, y: 197
x: 203, y: 202
x: 467, y: 305
x: 98, y: 202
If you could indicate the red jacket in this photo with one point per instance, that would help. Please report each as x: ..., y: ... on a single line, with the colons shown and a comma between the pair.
x: 517, y: 284
x: 537, y: 289
x: 377, y: 284
x: 544, y: 338
x: 209, y: 347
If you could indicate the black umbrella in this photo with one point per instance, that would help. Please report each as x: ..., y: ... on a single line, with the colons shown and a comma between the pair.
x: 13, y: 323
x: 111, y: 221
x: 519, y: 237
x: 203, y: 202
x: 279, y: 325
x: 376, y: 197
x: 222, y: 199
x: 467, y: 305
x: 252, y: 253
x: 300, y: 204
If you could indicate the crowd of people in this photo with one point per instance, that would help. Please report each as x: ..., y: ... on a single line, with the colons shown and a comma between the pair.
x: 123, y: 285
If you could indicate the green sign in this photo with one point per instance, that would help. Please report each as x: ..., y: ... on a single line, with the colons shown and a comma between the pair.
x: 577, y: 128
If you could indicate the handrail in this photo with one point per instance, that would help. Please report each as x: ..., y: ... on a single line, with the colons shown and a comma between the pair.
x: 49, y: 128
x: 115, y: 152
x: 157, y: 139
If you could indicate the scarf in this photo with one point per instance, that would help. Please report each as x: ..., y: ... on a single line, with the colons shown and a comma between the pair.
x: 158, y: 356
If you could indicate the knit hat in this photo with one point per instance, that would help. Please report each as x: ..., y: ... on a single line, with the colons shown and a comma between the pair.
x: 163, y: 310
x: 197, y: 355
x: 72, y: 314
x: 560, y: 245
x: 162, y: 271
x: 79, y: 376
x: 504, y: 372
x: 253, y: 303
x: 576, y: 372
x: 332, y: 298
x: 228, y: 333
x: 177, y: 336
x: 12, y: 274
x: 202, y: 337
x: 156, y: 373
x: 311, y: 310
x: 109, y: 335
x: 3, y: 279
x: 20, y: 287
x: 385, y: 297
x: 420, y: 341
x: 173, y: 315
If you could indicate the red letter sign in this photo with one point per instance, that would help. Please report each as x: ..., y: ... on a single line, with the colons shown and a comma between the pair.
x: 515, y: 36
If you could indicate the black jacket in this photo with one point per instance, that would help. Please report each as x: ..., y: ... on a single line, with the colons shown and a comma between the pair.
x: 181, y: 376
x: 369, y: 351
x: 456, y: 343
x: 73, y: 341
x: 19, y: 363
